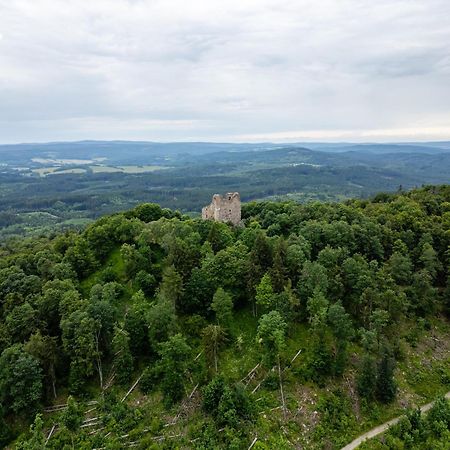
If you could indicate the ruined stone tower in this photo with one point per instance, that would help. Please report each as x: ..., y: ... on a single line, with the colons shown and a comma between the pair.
x: 225, y: 208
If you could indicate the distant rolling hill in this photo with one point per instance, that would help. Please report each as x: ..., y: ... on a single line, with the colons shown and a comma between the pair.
x: 71, y: 182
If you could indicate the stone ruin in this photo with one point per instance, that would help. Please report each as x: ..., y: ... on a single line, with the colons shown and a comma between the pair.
x: 226, y: 208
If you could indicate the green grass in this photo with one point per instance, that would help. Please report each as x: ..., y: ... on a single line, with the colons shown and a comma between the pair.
x: 115, y: 263
x: 242, y: 353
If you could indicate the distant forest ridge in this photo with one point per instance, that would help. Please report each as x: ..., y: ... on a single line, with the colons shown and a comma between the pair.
x: 109, y: 148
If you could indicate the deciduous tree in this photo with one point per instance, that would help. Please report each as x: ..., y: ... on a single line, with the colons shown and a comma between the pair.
x: 174, y: 355
x: 213, y: 338
x: 123, y: 361
x: 222, y: 305
x: 45, y: 350
x: 271, y: 334
x: 20, y: 380
x: 265, y: 296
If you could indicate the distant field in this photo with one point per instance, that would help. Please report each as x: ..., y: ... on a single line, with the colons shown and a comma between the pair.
x: 126, y: 169
x: 67, y: 161
x: 56, y: 170
x: 43, y: 171
x: 104, y: 169
x: 65, y: 171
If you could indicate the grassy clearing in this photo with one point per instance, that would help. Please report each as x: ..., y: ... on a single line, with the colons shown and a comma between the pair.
x: 425, y: 367
x: 331, y: 415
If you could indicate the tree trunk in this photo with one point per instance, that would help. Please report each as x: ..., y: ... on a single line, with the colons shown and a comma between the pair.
x: 100, y: 371
x: 215, y: 357
x: 281, y: 388
x: 98, y: 360
x: 53, y: 378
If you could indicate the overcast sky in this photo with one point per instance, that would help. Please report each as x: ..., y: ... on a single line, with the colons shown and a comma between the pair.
x: 227, y: 70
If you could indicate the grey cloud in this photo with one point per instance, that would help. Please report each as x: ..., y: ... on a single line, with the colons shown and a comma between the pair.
x: 407, y: 63
x: 214, y: 69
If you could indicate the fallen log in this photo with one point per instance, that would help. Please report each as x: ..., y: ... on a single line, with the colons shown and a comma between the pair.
x: 132, y: 388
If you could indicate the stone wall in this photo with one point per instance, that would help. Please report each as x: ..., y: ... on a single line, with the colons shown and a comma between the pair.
x: 226, y: 208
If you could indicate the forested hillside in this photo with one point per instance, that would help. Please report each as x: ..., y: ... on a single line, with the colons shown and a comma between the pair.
x: 303, y: 328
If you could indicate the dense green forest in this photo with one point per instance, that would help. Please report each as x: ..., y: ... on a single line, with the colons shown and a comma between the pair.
x: 303, y: 328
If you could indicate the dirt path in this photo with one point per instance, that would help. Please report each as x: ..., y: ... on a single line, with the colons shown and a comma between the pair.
x: 382, y: 428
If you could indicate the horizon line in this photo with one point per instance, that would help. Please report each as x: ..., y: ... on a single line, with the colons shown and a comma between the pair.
x: 231, y: 142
